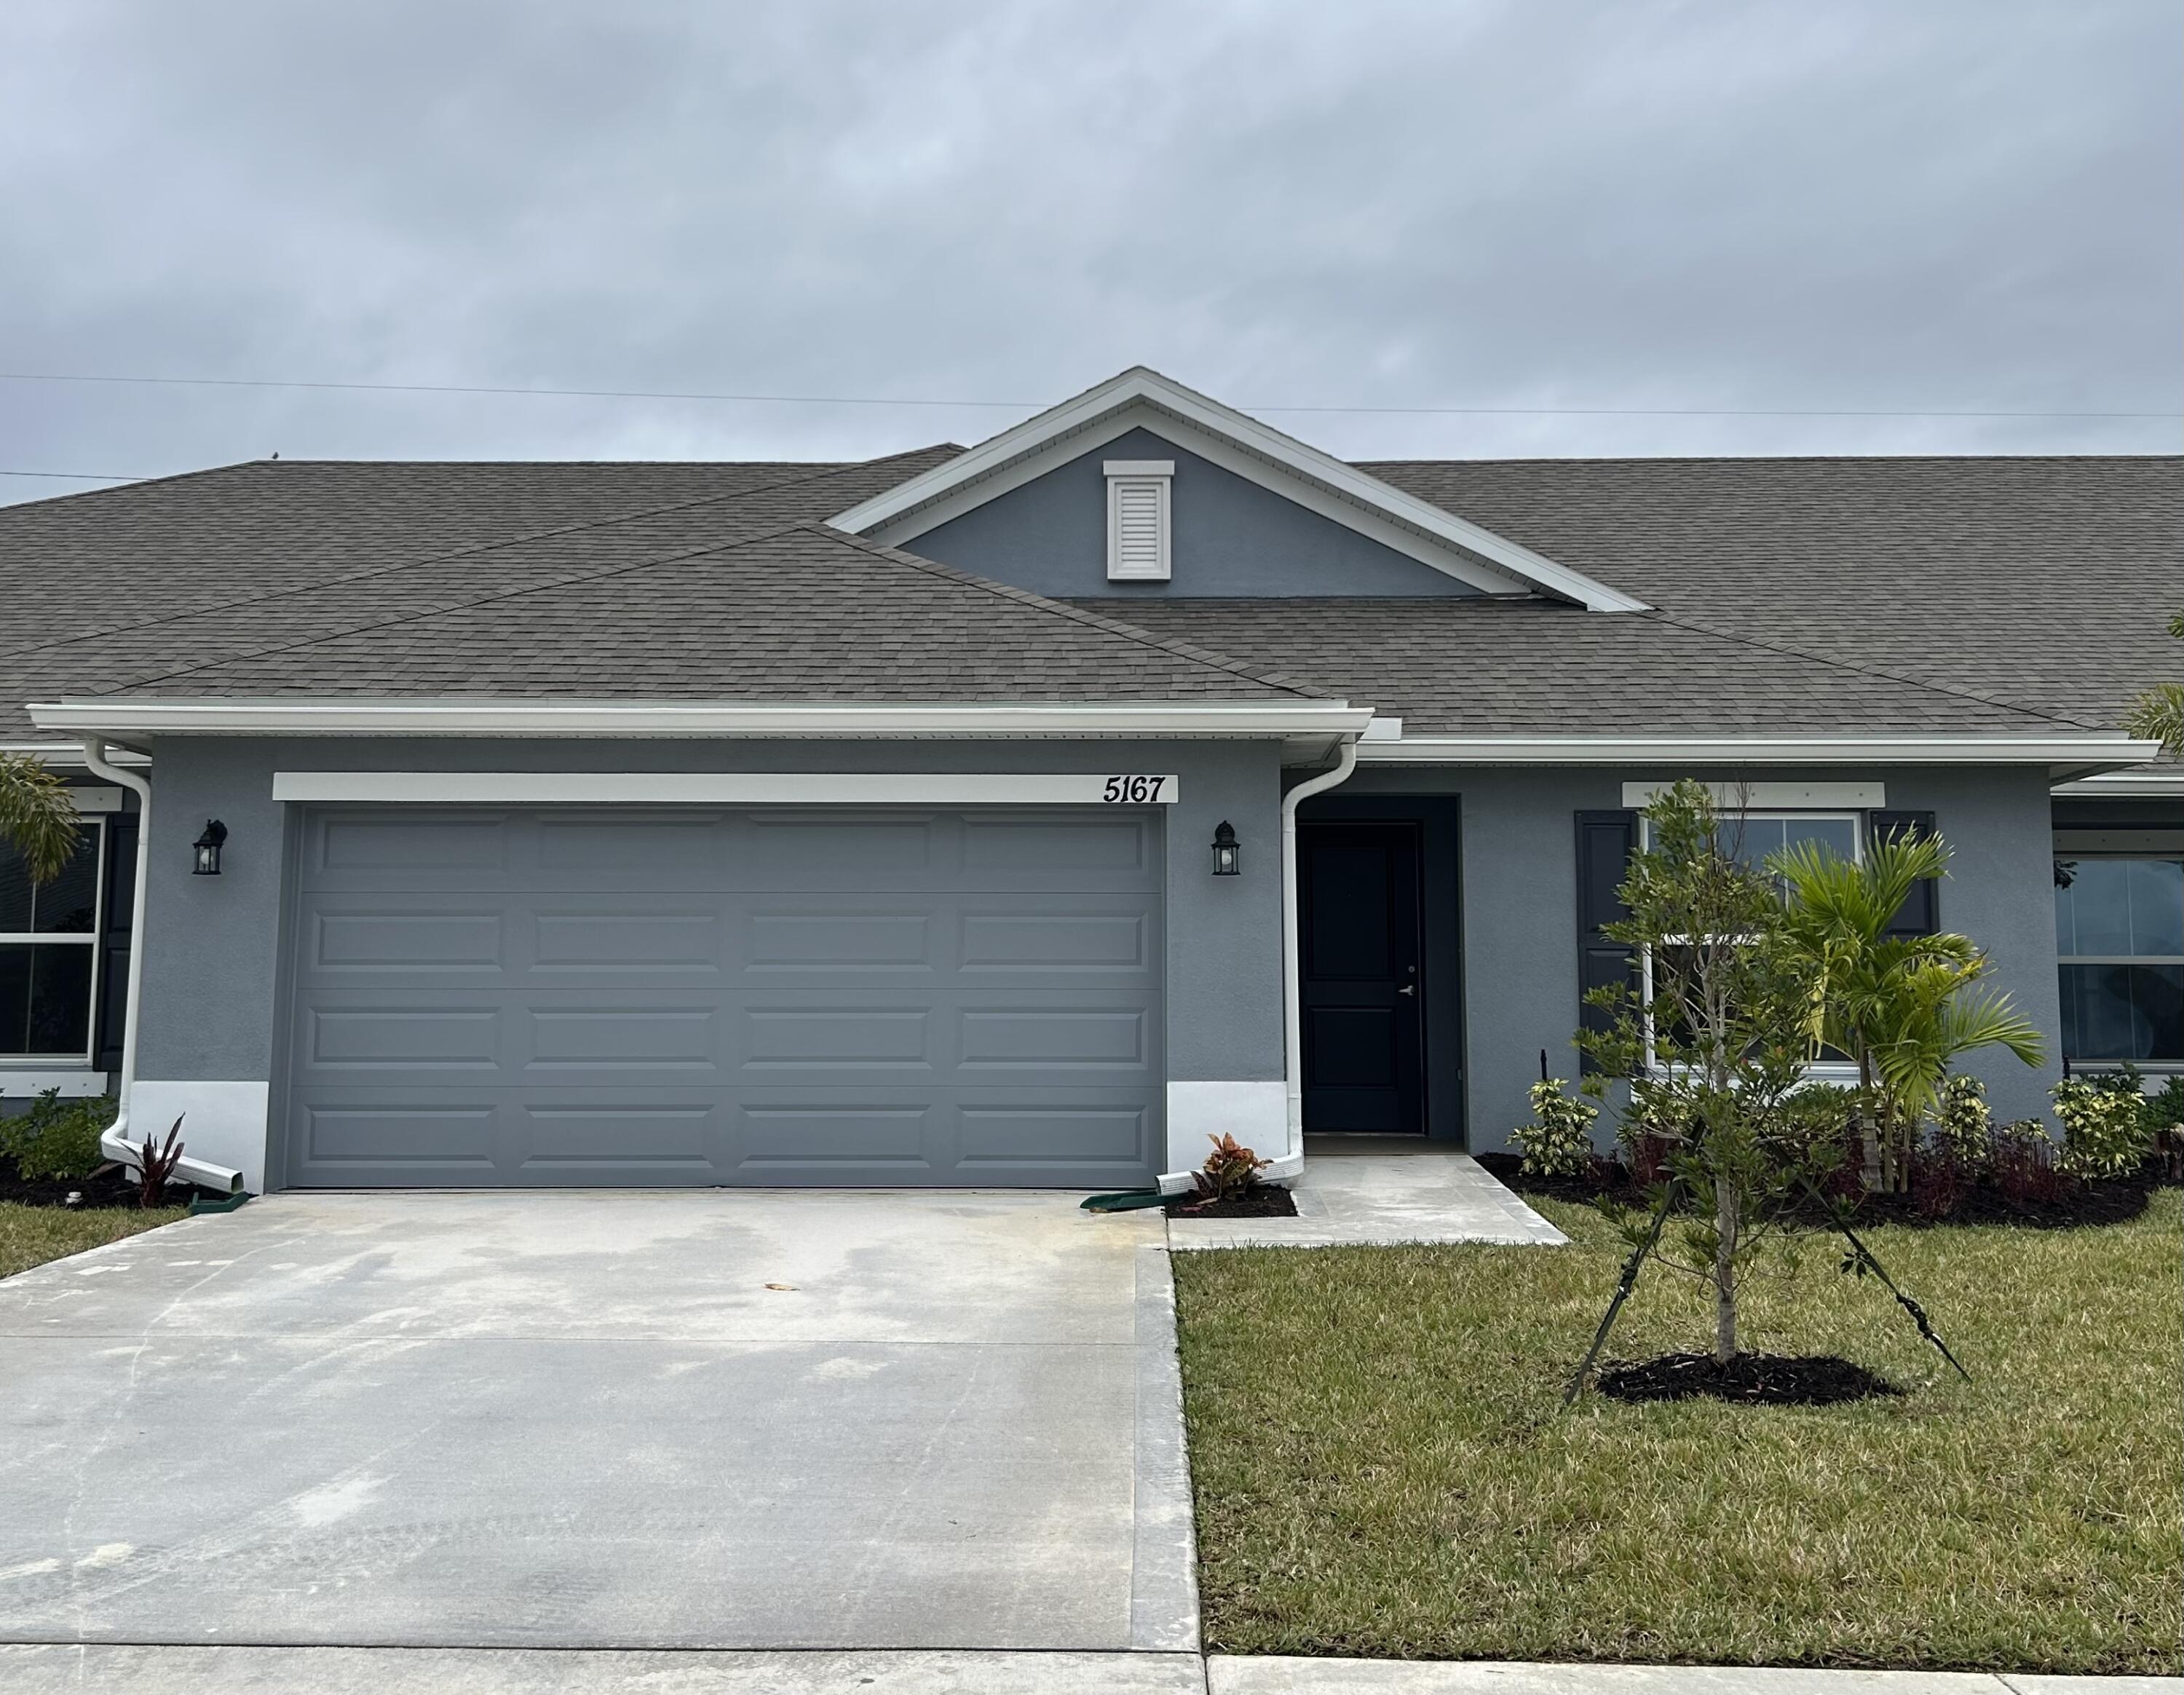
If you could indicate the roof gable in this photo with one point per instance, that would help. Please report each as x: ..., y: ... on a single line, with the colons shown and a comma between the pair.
x: 1318, y: 482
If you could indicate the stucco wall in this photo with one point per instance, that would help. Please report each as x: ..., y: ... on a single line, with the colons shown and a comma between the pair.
x: 1229, y: 536
x: 1520, y: 875
x: 214, y: 946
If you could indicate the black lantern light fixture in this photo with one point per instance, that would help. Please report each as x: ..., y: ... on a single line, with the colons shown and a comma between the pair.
x: 1227, y: 856
x: 208, y: 848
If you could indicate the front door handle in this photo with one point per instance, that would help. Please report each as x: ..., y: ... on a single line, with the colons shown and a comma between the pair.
x: 1408, y: 989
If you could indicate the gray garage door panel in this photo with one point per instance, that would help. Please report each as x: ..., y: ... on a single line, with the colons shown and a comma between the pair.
x: 487, y: 998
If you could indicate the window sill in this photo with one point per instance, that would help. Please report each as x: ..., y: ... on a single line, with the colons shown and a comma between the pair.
x: 21, y: 1079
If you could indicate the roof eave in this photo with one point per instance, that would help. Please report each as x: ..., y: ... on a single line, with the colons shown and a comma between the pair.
x: 2066, y: 755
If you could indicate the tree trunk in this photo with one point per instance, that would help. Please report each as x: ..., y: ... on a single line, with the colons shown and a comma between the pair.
x: 1727, y: 1222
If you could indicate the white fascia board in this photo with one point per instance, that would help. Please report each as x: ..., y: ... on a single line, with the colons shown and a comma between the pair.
x: 1315, y: 480
x: 68, y: 755
x: 2074, y: 753
x: 1183, y: 720
x: 2151, y: 783
x: 709, y: 787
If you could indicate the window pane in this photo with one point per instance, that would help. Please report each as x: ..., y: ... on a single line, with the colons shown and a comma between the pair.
x: 1838, y: 835
x: 14, y: 892
x: 2100, y: 907
x: 15, y: 998
x: 69, y: 905
x: 2124, y: 1011
x: 60, y: 1000
x: 2157, y: 905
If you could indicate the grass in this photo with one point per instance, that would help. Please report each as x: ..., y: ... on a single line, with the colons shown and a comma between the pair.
x: 31, y: 1236
x: 1381, y: 1469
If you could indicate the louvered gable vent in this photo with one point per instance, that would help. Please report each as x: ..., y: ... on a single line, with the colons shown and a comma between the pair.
x: 1137, y: 519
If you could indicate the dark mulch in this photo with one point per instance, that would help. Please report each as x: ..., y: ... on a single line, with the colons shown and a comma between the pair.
x: 1260, y: 1200
x: 1754, y: 1379
x: 113, y: 1187
x: 2054, y: 1202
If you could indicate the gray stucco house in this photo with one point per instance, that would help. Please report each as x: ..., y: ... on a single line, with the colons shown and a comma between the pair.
x: 1021, y: 815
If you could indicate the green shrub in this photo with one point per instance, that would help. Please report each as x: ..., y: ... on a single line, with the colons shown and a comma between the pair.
x: 1558, y: 1142
x: 2107, y: 1130
x: 1964, y: 1124
x: 58, y: 1138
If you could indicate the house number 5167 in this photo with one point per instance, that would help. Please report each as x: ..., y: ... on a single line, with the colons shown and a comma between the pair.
x: 1132, y: 791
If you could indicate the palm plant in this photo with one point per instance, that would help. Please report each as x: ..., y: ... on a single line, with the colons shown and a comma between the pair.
x: 2159, y: 714
x: 37, y: 817
x: 1904, y: 1008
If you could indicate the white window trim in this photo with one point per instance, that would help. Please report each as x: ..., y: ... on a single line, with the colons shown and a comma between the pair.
x: 1124, y: 475
x: 14, y: 1063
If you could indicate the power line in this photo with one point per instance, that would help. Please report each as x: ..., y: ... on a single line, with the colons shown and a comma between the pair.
x: 86, y: 475
x: 1036, y: 405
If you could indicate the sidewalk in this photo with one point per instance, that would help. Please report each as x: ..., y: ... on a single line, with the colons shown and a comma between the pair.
x: 115, y: 1670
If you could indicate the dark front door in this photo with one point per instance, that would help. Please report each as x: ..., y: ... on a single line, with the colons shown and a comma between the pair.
x: 1361, y: 993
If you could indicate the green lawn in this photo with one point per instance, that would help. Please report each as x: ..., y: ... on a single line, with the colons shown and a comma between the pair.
x: 1381, y: 1469
x: 31, y: 1236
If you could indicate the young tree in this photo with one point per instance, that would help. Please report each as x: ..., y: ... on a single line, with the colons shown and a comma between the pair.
x: 2159, y: 714
x: 1713, y: 1046
x: 38, y: 818
x: 1904, y: 1008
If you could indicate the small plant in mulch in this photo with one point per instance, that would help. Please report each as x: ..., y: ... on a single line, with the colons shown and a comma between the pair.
x: 50, y: 1156
x: 1228, y: 1186
x: 1752, y: 1379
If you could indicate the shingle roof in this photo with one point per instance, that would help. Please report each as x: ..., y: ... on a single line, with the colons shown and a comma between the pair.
x: 1808, y: 594
x: 671, y: 581
x: 2045, y: 583
x: 1486, y: 668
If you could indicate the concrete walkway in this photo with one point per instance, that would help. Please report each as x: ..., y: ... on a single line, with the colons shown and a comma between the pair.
x: 604, y: 1420
x: 1366, y: 1191
x: 111, y: 1670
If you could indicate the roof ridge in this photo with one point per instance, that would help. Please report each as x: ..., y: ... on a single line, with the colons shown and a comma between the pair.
x: 471, y: 550
x: 1183, y: 649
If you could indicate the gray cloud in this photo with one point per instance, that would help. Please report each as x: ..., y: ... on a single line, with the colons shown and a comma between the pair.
x: 1631, y: 204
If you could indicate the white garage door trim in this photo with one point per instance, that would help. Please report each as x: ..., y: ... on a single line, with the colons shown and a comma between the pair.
x: 638, y: 788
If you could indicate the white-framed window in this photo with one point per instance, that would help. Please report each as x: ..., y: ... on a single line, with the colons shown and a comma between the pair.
x: 49, y: 953
x: 2119, y: 948
x: 1751, y: 838
x: 1137, y: 519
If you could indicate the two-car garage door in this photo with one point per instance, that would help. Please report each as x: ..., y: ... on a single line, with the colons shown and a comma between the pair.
x: 533, y: 997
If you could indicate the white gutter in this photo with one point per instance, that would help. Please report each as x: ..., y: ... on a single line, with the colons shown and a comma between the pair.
x: 115, y: 1143
x: 2160, y: 783
x: 2077, y: 751
x: 1292, y: 1159
x: 300, y: 716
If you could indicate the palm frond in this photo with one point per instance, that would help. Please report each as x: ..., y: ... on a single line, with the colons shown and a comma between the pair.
x: 37, y: 816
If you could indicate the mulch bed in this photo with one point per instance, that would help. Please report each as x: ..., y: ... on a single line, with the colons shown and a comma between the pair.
x: 2071, y: 1205
x: 114, y: 1187
x: 1260, y: 1200
x: 1751, y: 1379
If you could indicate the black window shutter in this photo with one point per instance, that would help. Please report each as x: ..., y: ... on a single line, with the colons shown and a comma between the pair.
x: 1920, y: 914
x: 120, y: 934
x: 1605, y: 843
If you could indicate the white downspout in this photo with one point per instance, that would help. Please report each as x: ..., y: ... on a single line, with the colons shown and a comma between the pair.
x: 114, y: 1144
x: 1292, y: 1160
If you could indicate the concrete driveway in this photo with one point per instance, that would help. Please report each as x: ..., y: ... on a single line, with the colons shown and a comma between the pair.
x: 722, y: 1419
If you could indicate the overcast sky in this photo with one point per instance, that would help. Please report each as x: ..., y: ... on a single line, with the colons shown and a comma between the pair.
x: 1906, y: 205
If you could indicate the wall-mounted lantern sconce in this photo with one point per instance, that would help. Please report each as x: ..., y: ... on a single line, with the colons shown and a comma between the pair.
x: 1227, y: 854
x: 208, y: 848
